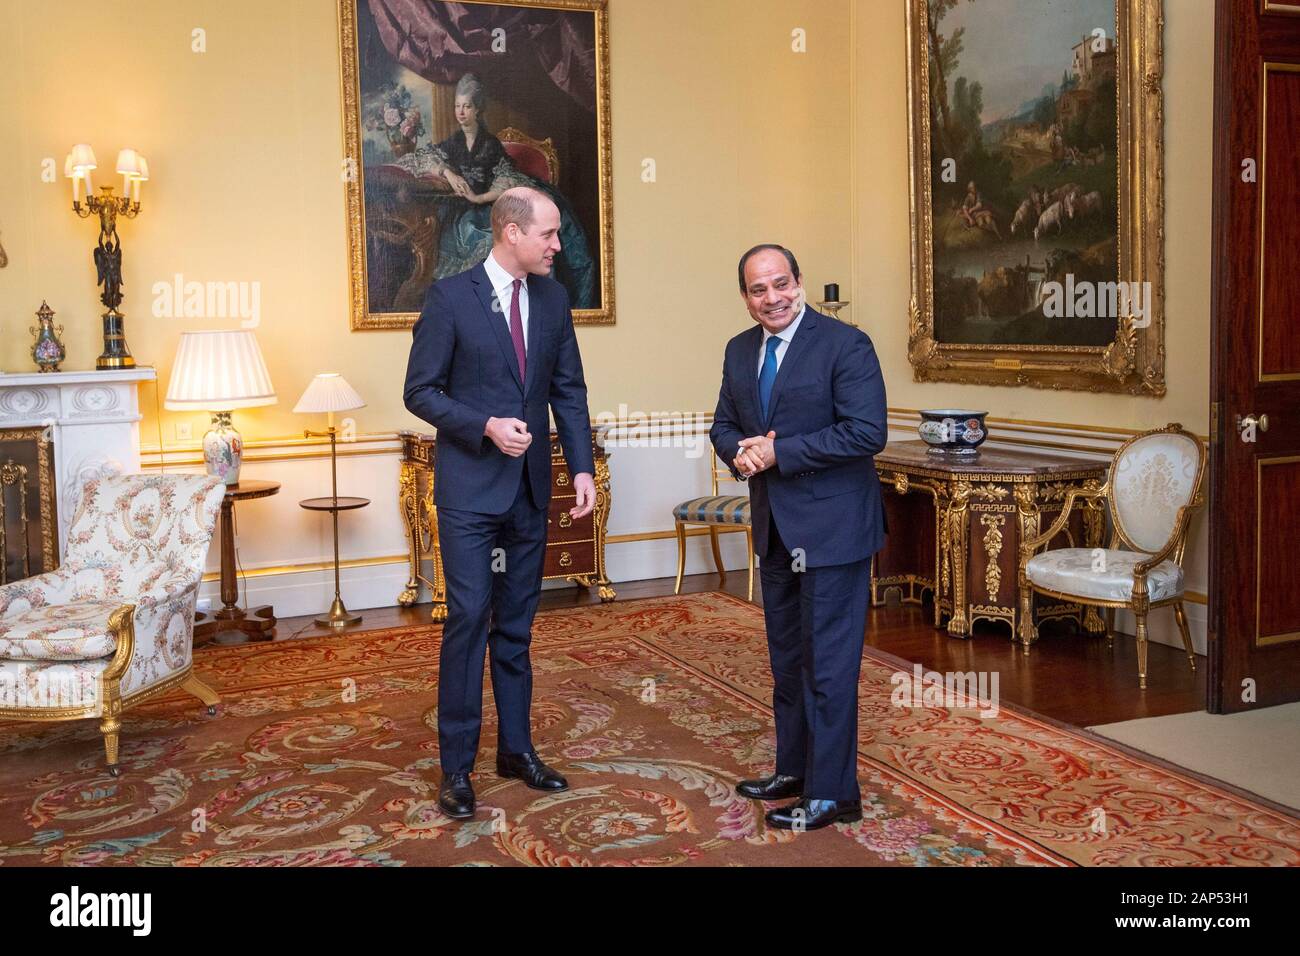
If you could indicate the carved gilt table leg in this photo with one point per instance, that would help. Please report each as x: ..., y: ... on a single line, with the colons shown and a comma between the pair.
x: 942, y: 564
x: 1026, y: 631
x: 958, y: 515
x: 409, y: 506
x: 438, y: 586
x: 604, y: 586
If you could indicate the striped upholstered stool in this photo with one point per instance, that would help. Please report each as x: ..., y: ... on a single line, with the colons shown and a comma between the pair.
x: 716, y: 512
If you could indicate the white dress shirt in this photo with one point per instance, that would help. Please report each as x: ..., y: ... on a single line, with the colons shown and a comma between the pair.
x: 503, y: 283
x: 785, y: 335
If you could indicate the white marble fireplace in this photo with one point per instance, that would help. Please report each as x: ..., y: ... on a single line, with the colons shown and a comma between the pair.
x: 93, y: 417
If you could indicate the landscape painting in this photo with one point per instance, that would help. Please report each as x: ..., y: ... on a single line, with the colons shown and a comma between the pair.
x: 1025, y: 244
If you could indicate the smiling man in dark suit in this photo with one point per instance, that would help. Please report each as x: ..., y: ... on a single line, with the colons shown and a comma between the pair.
x: 800, y: 414
x: 492, y: 349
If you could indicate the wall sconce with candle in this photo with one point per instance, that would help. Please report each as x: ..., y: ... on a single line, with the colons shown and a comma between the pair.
x: 108, y: 250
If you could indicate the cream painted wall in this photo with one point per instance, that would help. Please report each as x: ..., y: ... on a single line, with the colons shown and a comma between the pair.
x: 244, y: 141
x: 881, y: 286
x: 752, y: 142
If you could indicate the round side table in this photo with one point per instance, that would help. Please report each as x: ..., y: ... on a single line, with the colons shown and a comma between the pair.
x: 232, y: 624
x: 338, y: 615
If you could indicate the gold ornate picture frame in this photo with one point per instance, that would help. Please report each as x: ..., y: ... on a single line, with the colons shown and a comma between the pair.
x: 419, y: 181
x: 969, y: 341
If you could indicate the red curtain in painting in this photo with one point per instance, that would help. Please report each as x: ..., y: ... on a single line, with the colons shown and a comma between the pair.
x: 443, y: 41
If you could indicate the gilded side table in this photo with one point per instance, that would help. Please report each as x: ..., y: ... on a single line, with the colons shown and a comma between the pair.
x: 955, y: 527
x: 575, y: 548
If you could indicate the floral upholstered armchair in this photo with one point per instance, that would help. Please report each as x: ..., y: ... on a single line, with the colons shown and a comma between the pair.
x: 1153, y: 487
x: 114, y: 624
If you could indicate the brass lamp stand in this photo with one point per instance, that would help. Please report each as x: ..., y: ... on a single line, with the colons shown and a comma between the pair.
x: 329, y: 392
x: 338, y: 615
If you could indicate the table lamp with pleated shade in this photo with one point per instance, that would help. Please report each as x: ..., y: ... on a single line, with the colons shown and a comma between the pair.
x: 219, y: 371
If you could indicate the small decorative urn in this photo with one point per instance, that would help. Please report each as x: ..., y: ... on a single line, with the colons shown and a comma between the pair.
x: 48, y: 351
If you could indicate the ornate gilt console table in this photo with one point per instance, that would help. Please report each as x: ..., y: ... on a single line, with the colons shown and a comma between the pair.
x: 956, y: 527
x: 575, y: 548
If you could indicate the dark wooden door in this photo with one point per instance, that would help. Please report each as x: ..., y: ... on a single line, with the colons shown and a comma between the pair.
x: 1255, y: 357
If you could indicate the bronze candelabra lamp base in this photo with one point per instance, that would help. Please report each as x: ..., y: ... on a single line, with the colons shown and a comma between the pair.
x: 115, y: 354
x: 108, y: 270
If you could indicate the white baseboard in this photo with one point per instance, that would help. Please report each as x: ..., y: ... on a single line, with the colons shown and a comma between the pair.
x: 652, y: 469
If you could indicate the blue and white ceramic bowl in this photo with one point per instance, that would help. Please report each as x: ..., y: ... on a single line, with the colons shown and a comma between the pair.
x: 953, y: 431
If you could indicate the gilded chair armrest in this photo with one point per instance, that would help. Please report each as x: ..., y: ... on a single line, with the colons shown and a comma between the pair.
x: 1027, y: 548
x: 122, y: 626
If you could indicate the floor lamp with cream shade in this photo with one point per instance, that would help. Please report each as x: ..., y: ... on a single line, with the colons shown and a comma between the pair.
x: 217, y: 372
x: 330, y: 392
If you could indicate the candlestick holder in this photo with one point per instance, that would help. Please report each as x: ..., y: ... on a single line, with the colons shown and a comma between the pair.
x: 833, y: 309
x: 108, y: 250
x: 108, y: 270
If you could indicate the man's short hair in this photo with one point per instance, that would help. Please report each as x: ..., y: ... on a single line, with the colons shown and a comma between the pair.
x: 763, y: 247
x: 513, y: 205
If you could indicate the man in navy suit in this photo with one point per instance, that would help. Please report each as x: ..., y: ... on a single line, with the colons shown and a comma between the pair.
x: 492, y: 349
x: 800, y: 415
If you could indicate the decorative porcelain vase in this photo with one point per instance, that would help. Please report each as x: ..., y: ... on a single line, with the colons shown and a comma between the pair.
x: 48, y: 351
x: 223, y: 449
x: 953, y: 431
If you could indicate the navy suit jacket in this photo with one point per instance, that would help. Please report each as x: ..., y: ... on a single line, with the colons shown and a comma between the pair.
x: 463, y: 370
x: 829, y: 414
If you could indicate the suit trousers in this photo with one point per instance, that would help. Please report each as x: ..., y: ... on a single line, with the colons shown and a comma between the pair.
x: 816, y: 620
x: 491, y: 601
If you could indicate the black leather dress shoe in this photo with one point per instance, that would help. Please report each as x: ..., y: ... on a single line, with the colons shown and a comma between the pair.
x: 814, y: 814
x: 456, y: 796
x: 530, y: 769
x: 779, y: 786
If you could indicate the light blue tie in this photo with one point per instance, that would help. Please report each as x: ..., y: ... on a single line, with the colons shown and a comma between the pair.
x: 767, y: 377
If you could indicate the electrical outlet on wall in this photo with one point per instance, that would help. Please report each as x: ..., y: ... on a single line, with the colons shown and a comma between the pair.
x: 184, y: 431
x: 205, y: 604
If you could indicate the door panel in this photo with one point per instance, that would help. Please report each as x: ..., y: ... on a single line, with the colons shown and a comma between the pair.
x: 1279, y: 189
x: 1255, y: 358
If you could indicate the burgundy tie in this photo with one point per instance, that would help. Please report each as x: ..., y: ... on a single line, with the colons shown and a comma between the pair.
x: 517, y: 327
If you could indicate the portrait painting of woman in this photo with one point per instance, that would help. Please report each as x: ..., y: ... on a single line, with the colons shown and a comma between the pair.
x: 450, y: 104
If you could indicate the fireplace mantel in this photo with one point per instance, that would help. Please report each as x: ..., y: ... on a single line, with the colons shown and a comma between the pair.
x: 93, y: 417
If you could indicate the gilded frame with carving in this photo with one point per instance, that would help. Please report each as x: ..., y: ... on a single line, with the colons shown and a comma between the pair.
x: 1134, y: 362
x: 421, y: 231
x: 47, y: 498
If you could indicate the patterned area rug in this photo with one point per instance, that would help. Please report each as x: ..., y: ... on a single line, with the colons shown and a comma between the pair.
x: 325, y: 753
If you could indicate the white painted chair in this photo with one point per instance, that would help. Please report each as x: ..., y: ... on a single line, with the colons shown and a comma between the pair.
x: 113, y: 626
x: 1153, y: 487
